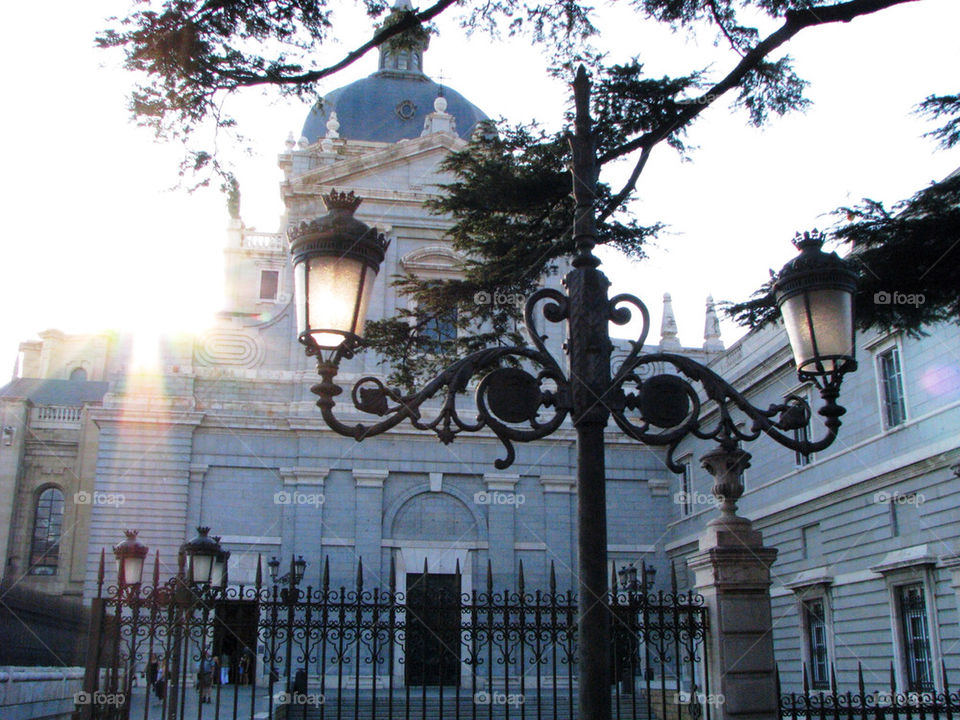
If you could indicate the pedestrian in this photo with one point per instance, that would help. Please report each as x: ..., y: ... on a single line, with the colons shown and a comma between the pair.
x: 204, y: 677
x: 153, y: 671
x: 160, y: 686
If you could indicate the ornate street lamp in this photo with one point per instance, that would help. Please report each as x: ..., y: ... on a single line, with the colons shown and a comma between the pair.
x: 336, y: 259
x: 657, y: 409
x: 201, y: 555
x: 130, y: 555
x: 814, y: 292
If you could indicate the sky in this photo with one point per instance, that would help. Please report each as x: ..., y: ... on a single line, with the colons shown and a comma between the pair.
x: 95, y: 239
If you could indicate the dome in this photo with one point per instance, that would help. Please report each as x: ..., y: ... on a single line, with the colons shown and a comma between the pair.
x: 393, y: 103
x: 388, y: 106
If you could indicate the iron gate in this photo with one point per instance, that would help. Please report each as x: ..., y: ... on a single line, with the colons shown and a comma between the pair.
x: 430, y: 651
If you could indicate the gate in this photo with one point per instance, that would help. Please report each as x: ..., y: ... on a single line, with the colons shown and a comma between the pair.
x: 371, y: 654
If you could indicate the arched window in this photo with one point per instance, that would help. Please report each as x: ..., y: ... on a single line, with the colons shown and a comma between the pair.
x: 47, y: 524
x: 78, y: 374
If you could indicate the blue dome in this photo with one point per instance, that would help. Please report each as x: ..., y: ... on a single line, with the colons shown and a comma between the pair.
x: 387, y: 107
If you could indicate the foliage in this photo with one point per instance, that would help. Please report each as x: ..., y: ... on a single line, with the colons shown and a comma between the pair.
x: 911, y: 249
x: 510, y: 199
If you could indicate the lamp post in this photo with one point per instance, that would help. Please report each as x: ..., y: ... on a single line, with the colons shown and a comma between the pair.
x: 289, y: 595
x: 336, y: 259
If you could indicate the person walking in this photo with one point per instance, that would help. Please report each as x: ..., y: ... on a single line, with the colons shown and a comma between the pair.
x: 204, y: 677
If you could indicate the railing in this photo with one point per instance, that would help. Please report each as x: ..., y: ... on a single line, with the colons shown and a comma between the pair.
x: 886, y: 703
x: 56, y: 416
x: 430, y: 651
x: 262, y: 241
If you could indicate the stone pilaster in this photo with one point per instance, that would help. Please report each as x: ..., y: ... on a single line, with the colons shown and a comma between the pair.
x: 195, y: 499
x: 302, y: 526
x: 368, y: 531
x: 13, y: 424
x: 733, y: 574
x: 501, y: 501
x: 560, y: 509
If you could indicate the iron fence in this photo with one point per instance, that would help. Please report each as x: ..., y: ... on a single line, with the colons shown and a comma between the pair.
x: 425, y: 651
x: 886, y: 703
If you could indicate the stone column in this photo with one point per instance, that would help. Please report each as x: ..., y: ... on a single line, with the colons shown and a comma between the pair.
x: 14, y: 413
x: 733, y: 574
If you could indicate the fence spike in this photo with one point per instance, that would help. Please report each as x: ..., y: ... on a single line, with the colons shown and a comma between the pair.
x: 553, y: 578
x: 893, y: 680
x: 259, y: 580
x: 859, y: 680
x: 613, y: 577
x: 776, y: 676
x: 426, y: 570
x: 943, y: 671
x: 833, y: 680
x: 489, y: 577
x: 326, y: 573
x: 393, y: 575
x: 457, y: 570
x: 806, y: 683
x: 673, y: 578
x: 156, y: 569
x: 520, y: 582
x: 100, y: 573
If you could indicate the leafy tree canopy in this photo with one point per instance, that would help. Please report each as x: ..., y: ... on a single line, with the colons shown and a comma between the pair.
x: 510, y: 200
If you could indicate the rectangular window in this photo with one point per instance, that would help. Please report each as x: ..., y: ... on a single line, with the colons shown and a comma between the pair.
x: 801, y: 434
x: 434, y: 333
x: 912, y: 607
x: 817, y: 644
x: 891, y: 387
x: 269, y: 284
x: 686, y: 499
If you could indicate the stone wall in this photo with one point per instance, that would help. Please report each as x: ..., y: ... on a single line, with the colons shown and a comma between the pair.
x: 39, y: 693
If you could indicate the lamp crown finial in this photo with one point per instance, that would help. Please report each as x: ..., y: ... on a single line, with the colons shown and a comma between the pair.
x: 341, y: 200
x: 812, y: 239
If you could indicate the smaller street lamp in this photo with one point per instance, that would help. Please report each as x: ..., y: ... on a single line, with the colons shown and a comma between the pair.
x: 273, y: 565
x: 130, y: 555
x: 201, y: 554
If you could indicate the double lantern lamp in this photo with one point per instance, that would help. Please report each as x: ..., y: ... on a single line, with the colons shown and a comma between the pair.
x: 336, y: 259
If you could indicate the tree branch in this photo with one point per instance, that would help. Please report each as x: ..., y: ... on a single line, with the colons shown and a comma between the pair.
x: 379, y: 38
x: 794, y: 22
x: 628, y: 188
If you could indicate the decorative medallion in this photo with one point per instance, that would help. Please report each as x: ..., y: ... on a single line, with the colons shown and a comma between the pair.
x: 406, y: 110
x: 663, y: 401
x: 514, y: 395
